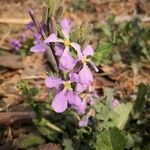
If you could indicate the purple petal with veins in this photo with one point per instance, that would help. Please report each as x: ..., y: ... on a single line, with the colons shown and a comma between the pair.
x: 85, y: 75
x: 52, y: 82
x: 76, y: 103
x: 88, y: 51
x: 73, y: 77
x: 52, y: 38
x: 71, y: 97
x: 59, y: 49
x: 59, y: 103
x: 80, y: 108
x: 39, y: 48
x: 66, y: 27
x: 66, y: 61
x: 80, y: 87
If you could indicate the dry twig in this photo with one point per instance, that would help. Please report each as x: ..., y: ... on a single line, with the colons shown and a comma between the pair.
x: 14, y: 21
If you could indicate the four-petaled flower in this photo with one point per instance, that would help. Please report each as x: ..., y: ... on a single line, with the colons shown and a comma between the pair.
x: 64, y: 96
x: 66, y: 60
x: 84, y: 76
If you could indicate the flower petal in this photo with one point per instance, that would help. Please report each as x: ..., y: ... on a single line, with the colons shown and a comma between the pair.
x: 38, y: 48
x: 66, y: 27
x: 94, y: 66
x: 80, y: 87
x: 80, y: 108
x: 85, y: 75
x: 59, y: 103
x: 66, y: 61
x: 73, y: 77
x: 52, y: 82
x: 84, y: 121
x: 59, y: 49
x: 71, y: 97
x: 77, y: 47
x: 53, y: 38
x: 76, y: 103
x: 88, y: 51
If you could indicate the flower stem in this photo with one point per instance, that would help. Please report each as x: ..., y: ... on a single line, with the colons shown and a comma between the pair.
x: 52, y: 126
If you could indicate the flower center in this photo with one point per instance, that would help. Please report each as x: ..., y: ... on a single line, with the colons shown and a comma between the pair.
x: 66, y: 42
x: 84, y: 96
x: 85, y: 59
x: 67, y: 85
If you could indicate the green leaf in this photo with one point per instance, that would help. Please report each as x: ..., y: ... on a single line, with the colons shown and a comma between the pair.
x: 130, y: 141
x: 30, y: 140
x: 102, y: 51
x: 110, y: 139
x: 80, y: 34
x: 107, y: 31
x: 49, y: 133
x: 34, y: 91
x: 120, y: 115
x: 102, y: 112
x: 21, y: 85
x: 109, y: 94
x: 67, y: 143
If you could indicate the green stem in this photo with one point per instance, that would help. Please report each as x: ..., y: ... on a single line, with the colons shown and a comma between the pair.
x: 52, y: 126
x: 76, y: 116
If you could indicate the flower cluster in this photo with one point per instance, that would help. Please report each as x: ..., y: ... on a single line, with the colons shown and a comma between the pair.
x: 75, y: 90
x: 23, y: 40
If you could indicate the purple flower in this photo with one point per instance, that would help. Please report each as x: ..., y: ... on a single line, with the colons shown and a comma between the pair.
x: 66, y: 60
x: 85, y: 76
x: 15, y: 44
x: 65, y: 28
x: 64, y: 97
x: 81, y: 101
x: 85, y: 99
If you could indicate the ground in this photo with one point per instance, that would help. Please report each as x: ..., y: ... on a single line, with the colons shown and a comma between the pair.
x: 13, y: 16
